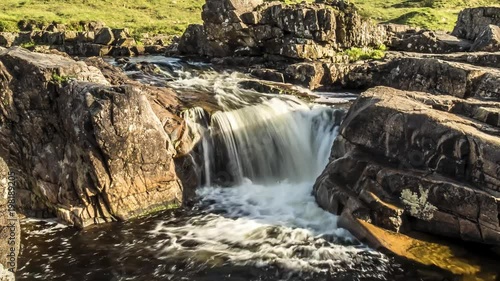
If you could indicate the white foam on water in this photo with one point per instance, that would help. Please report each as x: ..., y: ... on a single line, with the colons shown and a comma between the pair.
x: 272, y: 147
x: 263, y: 225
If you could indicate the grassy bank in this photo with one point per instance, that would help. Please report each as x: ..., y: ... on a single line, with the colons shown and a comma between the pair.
x: 172, y: 16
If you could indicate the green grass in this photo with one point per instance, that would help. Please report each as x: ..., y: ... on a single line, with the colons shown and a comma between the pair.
x: 431, y: 14
x: 356, y: 54
x: 153, y: 16
x: 172, y: 16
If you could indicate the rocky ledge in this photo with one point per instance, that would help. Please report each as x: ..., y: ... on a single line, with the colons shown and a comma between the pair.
x: 86, y: 149
x: 413, y: 161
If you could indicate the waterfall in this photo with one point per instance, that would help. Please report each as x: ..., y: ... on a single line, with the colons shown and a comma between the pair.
x: 273, y: 141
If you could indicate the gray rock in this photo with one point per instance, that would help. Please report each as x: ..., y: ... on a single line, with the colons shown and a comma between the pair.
x: 412, y: 161
x: 104, y: 36
x: 428, y: 42
x: 488, y: 39
x: 471, y: 21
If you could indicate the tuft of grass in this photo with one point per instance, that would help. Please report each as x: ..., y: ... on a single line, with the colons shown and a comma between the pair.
x: 60, y: 79
x: 28, y: 45
x: 356, y: 54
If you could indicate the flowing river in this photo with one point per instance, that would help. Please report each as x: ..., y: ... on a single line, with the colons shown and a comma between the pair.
x: 255, y: 218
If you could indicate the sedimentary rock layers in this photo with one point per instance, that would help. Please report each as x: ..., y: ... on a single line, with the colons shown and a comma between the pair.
x: 414, y: 161
x: 302, y: 31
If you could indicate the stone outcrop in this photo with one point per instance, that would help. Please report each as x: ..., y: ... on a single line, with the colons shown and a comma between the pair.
x: 407, y: 161
x: 426, y: 41
x: 10, y: 230
x: 480, y: 25
x: 301, y: 31
x: 477, y: 29
x: 427, y: 75
x: 92, y: 39
x: 85, y: 150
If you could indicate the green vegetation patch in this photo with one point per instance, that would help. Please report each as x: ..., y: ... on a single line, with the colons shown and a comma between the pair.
x: 173, y: 16
x: 356, y: 54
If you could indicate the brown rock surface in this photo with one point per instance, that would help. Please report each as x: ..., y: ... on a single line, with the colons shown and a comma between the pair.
x: 86, y: 151
x: 413, y: 161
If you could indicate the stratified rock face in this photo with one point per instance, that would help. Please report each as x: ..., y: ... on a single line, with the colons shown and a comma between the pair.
x: 87, y: 152
x: 429, y: 75
x: 10, y: 231
x: 302, y: 31
x: 413, y: 161
x: 480, y: 25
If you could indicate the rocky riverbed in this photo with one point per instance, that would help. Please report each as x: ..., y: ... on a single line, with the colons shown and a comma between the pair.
x: 413, y: 161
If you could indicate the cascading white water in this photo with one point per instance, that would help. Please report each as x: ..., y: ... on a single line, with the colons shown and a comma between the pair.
x: 269, y: 149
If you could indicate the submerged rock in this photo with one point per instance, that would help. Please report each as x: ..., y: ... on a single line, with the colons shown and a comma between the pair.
x: 413, y: 161
x: 86, y: 151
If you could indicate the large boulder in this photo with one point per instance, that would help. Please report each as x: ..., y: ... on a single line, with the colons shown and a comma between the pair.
x: 480, y: 25
x: 488, y: 40
x: 411, y: 161
x: 471, y: 21
x: 86, y: 151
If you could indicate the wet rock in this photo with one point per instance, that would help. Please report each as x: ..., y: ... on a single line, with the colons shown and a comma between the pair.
x: 273, y: 88
x: 194, y: 40
x: 121, y: 33
x: 488, y: 39
x: 268, y: 74
x: 86, y: 151
x: 310, y: 74
x: 413, y: 161
x: 52, y: 38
